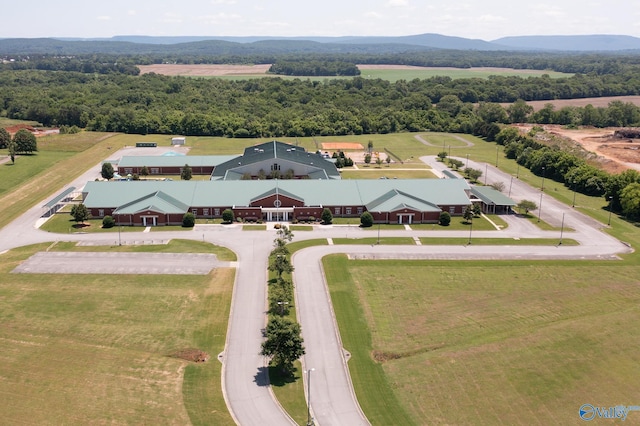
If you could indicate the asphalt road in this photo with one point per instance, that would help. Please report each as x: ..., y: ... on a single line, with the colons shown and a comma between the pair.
x: 245, y: 382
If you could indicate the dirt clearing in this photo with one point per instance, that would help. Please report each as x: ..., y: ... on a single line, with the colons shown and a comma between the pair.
x: 342, y: 145
x: 615, y: 154
x: 205, y: 70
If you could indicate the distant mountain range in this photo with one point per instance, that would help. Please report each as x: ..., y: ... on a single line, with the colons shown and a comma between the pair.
x: 349, y: 44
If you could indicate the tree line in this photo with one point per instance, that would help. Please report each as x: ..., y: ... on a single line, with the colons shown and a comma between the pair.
x: 275, y: 107
x: 125, y: 62
x: 314, y: 68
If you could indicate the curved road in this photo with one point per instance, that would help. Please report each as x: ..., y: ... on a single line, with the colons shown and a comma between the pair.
x: 244, y: 378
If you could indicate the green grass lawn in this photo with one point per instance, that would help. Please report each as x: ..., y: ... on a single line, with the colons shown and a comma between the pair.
x: 394, y: 75
x: 376, y: 173
x: 409, y: 74
x: 93, y: 349
x: 483, y: 342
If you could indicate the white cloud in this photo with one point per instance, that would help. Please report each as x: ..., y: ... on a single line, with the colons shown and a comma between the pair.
x: 219, y: 18
x: 171, y: 18
x: 132, y: 13
x: 104, y: 18
x: 374, y: 15
x: 548, y: 10
x: 491, y: 18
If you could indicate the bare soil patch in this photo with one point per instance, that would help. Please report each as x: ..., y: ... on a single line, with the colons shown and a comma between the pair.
x: 204, y: 70
x: 615, y: 155
x: 342, y: 145
x: 191, y: 354
x: 37, y: 132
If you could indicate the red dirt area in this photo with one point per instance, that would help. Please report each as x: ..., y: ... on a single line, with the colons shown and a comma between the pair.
x: 36, y: 132
x: 615, y: 154
x: 342, y: 146
x: 204, y: 70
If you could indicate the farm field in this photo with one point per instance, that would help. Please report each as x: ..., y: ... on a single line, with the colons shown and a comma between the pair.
x: 96, y: 349
x: 484, y: 342
x: 385, y: 72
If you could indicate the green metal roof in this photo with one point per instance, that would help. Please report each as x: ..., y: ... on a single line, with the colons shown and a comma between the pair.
x: 158, y: 201
x: 59, y: 197
x: 390, y: 193
x: 492, y: 196
x: 396, y: 200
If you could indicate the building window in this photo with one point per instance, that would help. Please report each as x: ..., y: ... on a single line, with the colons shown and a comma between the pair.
x: 101, y: 212
x: 216, y: 212
x: 452, y: 210
x: 155, y: 171
x: 359, y: 210
x: 194, y: 211
x: 348, y: 210
x: 205, y: 212
x: 128, y: 170
x: 336, y: 210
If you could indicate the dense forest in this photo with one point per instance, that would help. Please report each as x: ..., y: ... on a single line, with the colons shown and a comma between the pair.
x: 273, y: 107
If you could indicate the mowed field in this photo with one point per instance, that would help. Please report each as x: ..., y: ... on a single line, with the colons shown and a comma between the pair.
x: 385, y: 72
x: 99, y: 349
x: 488, y: 342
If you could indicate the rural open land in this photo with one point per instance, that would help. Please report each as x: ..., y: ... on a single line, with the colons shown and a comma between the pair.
x: 219, y: 70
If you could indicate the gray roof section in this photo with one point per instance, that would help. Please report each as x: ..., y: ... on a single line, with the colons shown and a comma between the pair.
x: 173, y: 161
x: 491, y: 196
x: 420, y: 193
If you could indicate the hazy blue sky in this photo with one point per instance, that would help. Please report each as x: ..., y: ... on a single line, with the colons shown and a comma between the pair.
x: 483, y: 19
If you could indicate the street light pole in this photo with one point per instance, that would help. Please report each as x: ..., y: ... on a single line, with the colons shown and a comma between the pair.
x: 610, y: 208
x: 309, y: 421
x: 467, y: 166
x: 574, y: 195
x: 510, y: 185
x: 517, y: 170
x: 486, y: 172
x: 543, y: 169
x: 561, y: 230
x: 540, y: 207
x: 470, y: 229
